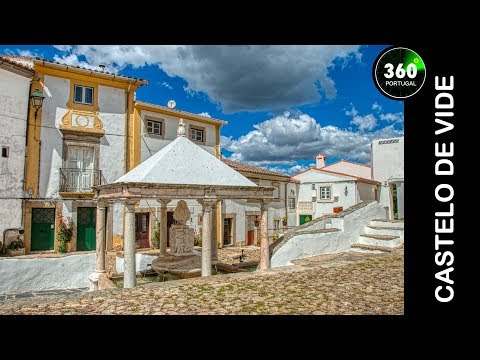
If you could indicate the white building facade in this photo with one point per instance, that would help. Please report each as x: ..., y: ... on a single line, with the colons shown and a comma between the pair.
x: 387, y: 158
x: 15, y: 82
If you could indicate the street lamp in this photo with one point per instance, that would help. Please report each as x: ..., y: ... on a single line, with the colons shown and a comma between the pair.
x: 37, y: 100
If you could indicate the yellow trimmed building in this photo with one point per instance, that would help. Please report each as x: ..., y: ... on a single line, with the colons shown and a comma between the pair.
x: 90, y: 130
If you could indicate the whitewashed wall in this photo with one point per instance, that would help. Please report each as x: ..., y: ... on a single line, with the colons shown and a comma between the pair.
x: 21, y: 275
x: 307, y: 244
x: 111, y: 102
x: 149, y: 145
x: 14, y: 93
x: 388, y: 165
x: 366, y: 192
x: 337, y: 183
x: 349, y: 168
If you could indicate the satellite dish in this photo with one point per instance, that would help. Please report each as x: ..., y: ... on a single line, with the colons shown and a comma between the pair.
x: 171, y: 104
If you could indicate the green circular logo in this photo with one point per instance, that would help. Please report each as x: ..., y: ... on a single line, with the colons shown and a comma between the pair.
x: 399, y: 72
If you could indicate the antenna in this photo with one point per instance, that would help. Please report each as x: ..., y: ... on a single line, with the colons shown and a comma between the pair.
x: 171, y: 104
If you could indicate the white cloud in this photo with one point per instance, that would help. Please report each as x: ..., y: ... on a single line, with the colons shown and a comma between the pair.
x: 27, y: 53
x: 166, y: 85
x: 292, y: 170
x: 63, y: 47
x: 397, y: 117
x: 367, y: 122
x: 352, y: 112
x: 377, y: 107
x: 286, y: 140
x: 237, y: 77
x: 206, y: 114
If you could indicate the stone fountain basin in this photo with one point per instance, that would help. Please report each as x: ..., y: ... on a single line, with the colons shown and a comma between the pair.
x: 184, y: 266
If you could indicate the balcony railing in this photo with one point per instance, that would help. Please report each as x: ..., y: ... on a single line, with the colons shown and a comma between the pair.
x: 77, y: 180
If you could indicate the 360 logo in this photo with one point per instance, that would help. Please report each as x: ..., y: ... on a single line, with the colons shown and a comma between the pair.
x: 399, y: 72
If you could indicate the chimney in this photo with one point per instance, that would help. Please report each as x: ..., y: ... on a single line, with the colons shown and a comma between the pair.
x: 320, y: 161
x: 102, y: 67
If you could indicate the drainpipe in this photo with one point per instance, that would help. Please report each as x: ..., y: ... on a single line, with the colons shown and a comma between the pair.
x: 127, y: 130
x: 286, y: 201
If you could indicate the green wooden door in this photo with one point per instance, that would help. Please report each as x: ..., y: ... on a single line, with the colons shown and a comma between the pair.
x: 303, y: 218
x: 86, y: 228
x: 43, y: 229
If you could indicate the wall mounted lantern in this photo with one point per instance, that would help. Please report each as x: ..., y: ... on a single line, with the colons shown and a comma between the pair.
x: 346, y: 191
x: 37, y: 100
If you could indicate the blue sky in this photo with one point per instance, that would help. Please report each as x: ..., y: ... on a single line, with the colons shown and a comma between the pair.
x: 283, y: 104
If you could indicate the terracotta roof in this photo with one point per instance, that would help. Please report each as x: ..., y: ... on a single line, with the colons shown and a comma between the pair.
x: 252, y: 169
x: 294, y: 180
x: 20, y: 61
x: 180, y: 112
x: 29, y: 62
x: 359, y: 178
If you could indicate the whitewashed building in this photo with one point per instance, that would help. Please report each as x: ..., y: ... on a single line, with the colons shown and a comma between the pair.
x: 15, y: 80
x: 239, y: 215
x: 387, y: 158
x: 325, y: 189
x: 90, y: 131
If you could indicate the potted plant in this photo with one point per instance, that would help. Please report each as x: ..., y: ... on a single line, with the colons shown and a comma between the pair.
x: 65, y: 234
x: 275, y: 237
x: 16, y: 247
x: 284, y: 220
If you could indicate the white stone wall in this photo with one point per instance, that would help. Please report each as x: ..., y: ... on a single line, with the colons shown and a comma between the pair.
x: 349, y: 168
x: 366, y: 192
x: 111, y: 102
x: 388, y: 166
x: 21, y: 275
x: 14, y: 97
x: 150, y: 144
x: 307, y: 245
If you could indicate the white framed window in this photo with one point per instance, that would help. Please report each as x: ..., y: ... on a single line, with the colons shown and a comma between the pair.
x: 276, y: 224
x: 325, y: 193
x: 83, y: 95
x: 155, y: 127
x: 291, y: 203
x: 197, y: 134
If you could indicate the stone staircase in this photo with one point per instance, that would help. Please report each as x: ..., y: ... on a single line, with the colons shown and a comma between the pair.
x: 382, y: 235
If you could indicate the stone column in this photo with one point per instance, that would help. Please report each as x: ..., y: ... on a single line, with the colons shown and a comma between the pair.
x: 214, y: 232
x: 129, y: 271
x: 100, y: 237
x: 163, y: 226
x: 207, y: 237
x: 264, y: 248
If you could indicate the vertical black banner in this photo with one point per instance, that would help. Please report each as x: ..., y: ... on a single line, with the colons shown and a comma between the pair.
x: 428, y: 266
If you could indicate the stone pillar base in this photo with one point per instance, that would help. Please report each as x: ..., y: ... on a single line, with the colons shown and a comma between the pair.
x: 93, y: 281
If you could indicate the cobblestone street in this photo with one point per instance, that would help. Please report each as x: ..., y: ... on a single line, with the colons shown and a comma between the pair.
x: 346, y: 283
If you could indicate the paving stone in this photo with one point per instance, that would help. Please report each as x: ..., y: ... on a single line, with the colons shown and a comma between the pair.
x: 346, y: 283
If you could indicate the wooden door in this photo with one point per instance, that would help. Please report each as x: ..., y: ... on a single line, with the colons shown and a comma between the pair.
x: 43, y: 229
x: 86, y: 228
x: 142, y: 226
x: 80, y: 168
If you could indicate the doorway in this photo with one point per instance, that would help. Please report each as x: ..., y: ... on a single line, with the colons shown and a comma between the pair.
x: 250, y: 229
x: 170, y: 222
x: 86, y: 228
x: 43, y: 229
x: 227, y: 232
x: 142, y: 226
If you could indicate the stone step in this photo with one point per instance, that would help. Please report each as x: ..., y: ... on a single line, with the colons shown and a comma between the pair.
x: 387, y: 223
x: 371, y: 249
x: 379, y: 240
x: 384, y: 230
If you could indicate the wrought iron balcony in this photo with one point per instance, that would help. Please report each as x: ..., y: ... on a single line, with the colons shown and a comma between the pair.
x: 78, y: 180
